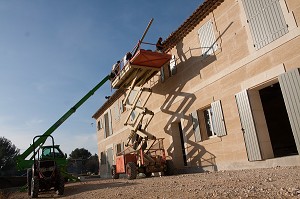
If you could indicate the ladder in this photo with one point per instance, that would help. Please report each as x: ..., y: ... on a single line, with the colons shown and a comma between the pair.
x: 137, y: 113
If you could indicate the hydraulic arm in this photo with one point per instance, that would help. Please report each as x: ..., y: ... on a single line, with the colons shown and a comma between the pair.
x: 22, y: 163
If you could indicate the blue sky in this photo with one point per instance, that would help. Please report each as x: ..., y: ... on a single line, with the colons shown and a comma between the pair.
x: 52, y: 52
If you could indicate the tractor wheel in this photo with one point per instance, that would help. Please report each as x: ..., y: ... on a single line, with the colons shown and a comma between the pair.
x: 34, y: 187
x: 60, y: 185
x: 29, y: 176
x: 113, y: 171
x: 131, y: 170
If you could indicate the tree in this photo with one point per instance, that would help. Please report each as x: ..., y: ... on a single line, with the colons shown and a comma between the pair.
x: 82, y: 161
x: 8, y: 154
x: 92, y: 164
x: 80, y: 154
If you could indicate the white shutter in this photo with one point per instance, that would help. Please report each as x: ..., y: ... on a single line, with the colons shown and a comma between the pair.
x: 217, y: 114
x: 106, y: 125
x: 110, y: 122
x: 248, y: 126
x: 109, y: 158
x: 162, y: 74
x: 207, y: 39
x: 196, y: 127
x: 266, y: 21
x: 290, y: 87
x: 117, y: 111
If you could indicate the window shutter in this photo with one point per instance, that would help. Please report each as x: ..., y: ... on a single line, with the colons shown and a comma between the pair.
x: 196, y: 127
x: 217, y: 114
x: 248, y: 126
x: 266, y: 21
x: 207, y: 39
x: 122, y: 146
x: 117, y: 111
x: 106, y: 125
x: 290, y: 87
x: 109, y: 158
x: 121, y: 107
x: 130, y: 101
x: 162, y: 74
x: 110, y: 122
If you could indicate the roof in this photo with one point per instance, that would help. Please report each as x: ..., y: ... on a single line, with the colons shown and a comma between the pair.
x: 190, y: 23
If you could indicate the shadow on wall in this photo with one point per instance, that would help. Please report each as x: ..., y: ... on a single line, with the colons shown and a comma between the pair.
x: 183, y: 149
x: 177, y: 104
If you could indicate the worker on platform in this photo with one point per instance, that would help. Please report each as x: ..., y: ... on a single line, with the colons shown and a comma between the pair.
x: 115, y: 70
x: 127, y: 58
x: 159, y: 46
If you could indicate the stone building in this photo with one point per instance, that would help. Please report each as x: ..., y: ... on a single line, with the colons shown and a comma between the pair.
x: 229, y: 97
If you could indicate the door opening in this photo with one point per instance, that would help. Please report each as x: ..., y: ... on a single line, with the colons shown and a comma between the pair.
x: 281, y: 135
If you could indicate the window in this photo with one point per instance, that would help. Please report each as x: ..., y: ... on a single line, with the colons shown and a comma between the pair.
x: 122, y: 107
x: 103, y: 158
x: 208, y: 117
x: 99, y: 125
x: 208, y: 122
x: 266, y: 21
x: 172, y: 66
x: 119, y: 147
x: 207, y: 39
x: 107, y: 124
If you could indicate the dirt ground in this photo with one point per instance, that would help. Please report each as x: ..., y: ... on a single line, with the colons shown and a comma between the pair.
x: 279, y: 182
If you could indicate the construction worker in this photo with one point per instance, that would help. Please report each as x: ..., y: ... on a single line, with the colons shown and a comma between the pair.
x: 115, y: 70
x: 159, y: 46
x: 127, y: 58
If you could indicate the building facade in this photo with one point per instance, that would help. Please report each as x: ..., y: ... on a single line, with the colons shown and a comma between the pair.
x: 229, y: 98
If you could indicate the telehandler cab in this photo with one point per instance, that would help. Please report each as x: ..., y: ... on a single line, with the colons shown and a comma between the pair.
x: 45, y: 173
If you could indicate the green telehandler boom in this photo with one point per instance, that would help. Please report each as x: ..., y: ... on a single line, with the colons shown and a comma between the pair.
x: 25, y: 161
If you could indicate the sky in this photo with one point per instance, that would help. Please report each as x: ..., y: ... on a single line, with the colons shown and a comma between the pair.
x: 53, y: 52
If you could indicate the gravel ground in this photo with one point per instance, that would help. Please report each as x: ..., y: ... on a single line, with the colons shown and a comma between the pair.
x: 279, y: 182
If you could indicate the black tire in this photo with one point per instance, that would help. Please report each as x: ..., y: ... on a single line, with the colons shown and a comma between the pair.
x: 131, y: 171
x: 60, y: 185
x: 113, y: 171
x: 29, y: 176
x: 35, y: 187
x: 170, y: 168
x: 148, y: 174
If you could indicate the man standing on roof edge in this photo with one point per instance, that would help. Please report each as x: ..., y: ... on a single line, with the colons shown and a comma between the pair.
x: 159, y: 46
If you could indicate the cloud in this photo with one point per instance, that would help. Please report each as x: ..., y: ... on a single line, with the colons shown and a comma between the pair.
x: 69, y: 142
x: 20, y: 137
x: 33, y: 122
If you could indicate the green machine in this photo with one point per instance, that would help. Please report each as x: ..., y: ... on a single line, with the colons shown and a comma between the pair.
x: 27, y: 159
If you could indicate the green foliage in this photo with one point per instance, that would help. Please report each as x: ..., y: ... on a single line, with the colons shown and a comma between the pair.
x: 80, y: 154
x: 82, y: 161
x: 92, y: 164
x: 8, y: 153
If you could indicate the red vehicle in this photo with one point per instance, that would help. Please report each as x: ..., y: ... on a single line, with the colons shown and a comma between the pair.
x: 149, y: 158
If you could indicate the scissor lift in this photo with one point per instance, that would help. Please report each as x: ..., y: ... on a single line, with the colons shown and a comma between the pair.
x: 142, y: 154
x: 135, y: 74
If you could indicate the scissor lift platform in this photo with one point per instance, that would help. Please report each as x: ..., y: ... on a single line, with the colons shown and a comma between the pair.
x: 142, y: 67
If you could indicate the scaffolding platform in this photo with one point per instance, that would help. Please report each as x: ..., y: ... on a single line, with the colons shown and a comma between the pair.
x: 142, y: 67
